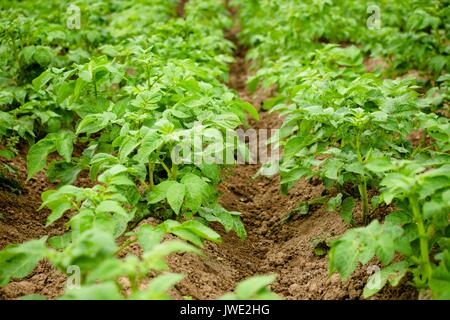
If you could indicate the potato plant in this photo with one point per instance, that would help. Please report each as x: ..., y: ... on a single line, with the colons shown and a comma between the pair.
x: 352, y: 129
x: 127, y: 99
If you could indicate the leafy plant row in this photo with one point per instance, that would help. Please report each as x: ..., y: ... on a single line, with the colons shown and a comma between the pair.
x: 113, y: 99
x: 355, y: 130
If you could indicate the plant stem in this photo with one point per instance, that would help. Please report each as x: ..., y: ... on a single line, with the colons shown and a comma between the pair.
x: 423, y: 238
x: 365, y: 200
x: 124, y: 245
x: 363, y: 182
x: 174, y: 171
x: 169, y: 172
x: 95, y: 87
x: 151, y: 168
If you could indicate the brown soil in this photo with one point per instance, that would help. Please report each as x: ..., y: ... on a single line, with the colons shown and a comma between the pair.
x: 20, y: 220
x: 180, y: 8
x: 374, y: 65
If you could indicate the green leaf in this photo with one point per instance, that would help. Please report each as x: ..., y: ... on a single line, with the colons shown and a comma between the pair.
x: 227, y: 120
x: 95, y: 122
x: 250, y: 288
x: 156, y: 255
x: 347, y: 209
x: 158, y: 287
x: 102, y: 291
x: 250, y: 109
x: 343, y: 257
x: 60, y: 242
x: 379, y: 165
x: 334, y: 203
x: 17, y: 261
x: 8, y: 154
x: 355, y: 167
x: 149, y: 237
x: 110, y: 269
x: 187, y: 235
x: 127, y: 147
x: 64, y: 145
x: 196, y: 191
x: 151, y: 141
x: 229, y: 220
x: 211, y: 171
x: 33, y: 297
x: 293, y: 146
x: 159, y: 192
x: 37, y: 156
x: 59, y: 201
x: 43, y: 55
x: 175, y: 196
x: 58, y: 208
x: 111, y: 206
x: 393, y: 273
x: 201, y: 230
x: 332, y: 168
x: 440, y: 281
x: 44, y: 78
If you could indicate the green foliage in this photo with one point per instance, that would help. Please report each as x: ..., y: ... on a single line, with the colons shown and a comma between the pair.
x: 254, y: 288
x: 352, y: 125
x: 417, y: 229
x: 116, y: 98
x: 125, y: 89
x: 18, y: 261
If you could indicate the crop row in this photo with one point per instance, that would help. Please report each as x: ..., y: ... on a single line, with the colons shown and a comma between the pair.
x: 123, y: 82
x: 354, y: 129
